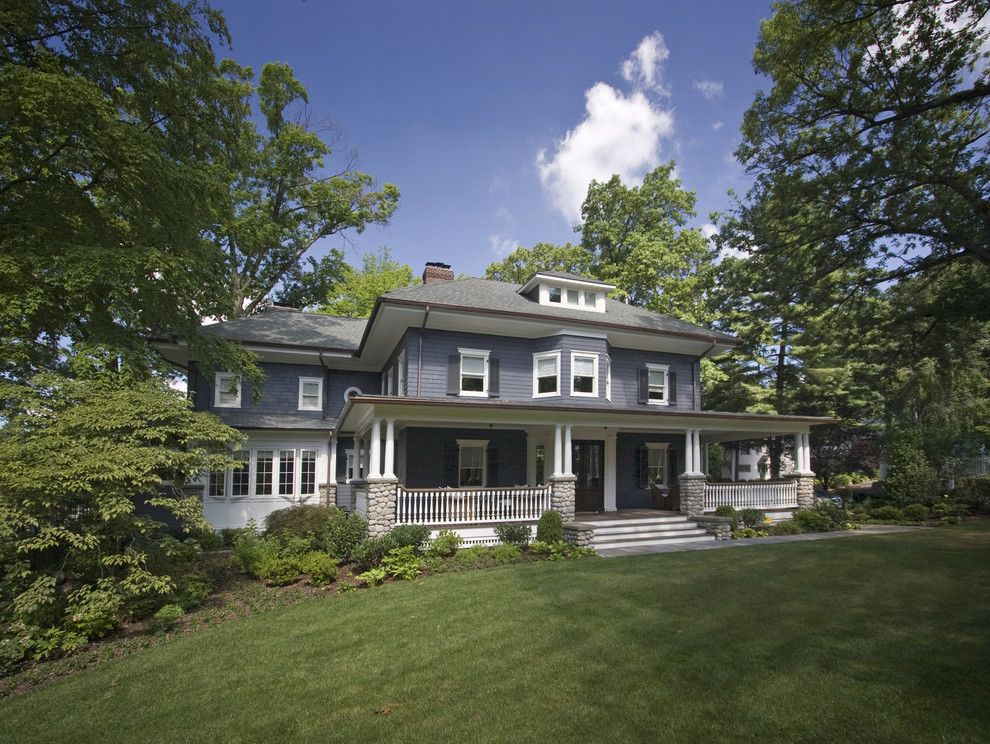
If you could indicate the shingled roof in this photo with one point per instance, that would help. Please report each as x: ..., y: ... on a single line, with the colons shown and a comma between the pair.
x: 484, y: 294
x: 280, y: 327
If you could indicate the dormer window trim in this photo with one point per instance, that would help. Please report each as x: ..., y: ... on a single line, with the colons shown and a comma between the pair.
x: 222, y: 385
x: 573, y: 295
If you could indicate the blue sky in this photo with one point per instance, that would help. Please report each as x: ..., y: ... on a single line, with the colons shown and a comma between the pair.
x: 491, y: 117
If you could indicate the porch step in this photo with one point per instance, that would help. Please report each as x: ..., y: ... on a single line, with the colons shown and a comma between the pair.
x: 643, y: 545
x: 622, y: 537
x: 664, y: 519
x: 645, y: 534
x: 630, y: 529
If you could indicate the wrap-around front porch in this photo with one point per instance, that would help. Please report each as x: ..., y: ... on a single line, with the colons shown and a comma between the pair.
x: 471, y: 467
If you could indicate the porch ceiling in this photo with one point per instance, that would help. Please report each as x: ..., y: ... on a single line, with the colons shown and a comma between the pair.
x: 715, y: 426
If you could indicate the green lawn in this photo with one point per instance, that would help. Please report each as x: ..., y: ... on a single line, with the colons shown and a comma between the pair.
x: 857, y: 639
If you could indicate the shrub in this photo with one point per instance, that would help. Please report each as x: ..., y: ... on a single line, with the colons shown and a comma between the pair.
x: 302, y: 520
x: 473, y: 557
x: 279, y: 571
x: 209, y: 540
x: 291, y: 546
x: 812, y: 520
x: 445, y: 544
x: 506, y: 553
x: 413, y: 535
x: 513, y: 534
x: 402, y: 563
x: 191, y: 590
x: 837, y: 515
x: 887, y: 513
x: 728, y: 511
x: 251, y: 551
x: 916, y: 512
x: 166, y: 618
x: 373, y: 576
x: 320, y: 567
x: 911, y: 478
x: 789, y: 527
x: 946, y: 521
x: 369, y: 553
x: 550, y: 528
x: 974, y: 493
x: 229, y: 535
x: 752, y: 518
x: 562, y: 551
x: 343, y: 532
x: 538, y: 547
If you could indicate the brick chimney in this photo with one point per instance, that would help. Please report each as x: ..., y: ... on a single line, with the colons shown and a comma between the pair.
x: 437, y: 272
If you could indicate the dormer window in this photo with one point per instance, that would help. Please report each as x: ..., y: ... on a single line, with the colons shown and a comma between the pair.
x: 554, y: 295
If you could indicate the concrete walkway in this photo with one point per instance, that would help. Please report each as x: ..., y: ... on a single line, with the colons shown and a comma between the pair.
x: 875, y: 529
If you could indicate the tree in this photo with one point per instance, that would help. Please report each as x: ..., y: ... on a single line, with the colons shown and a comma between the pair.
x: 76, y: 557
x: 522, y: 263
x: 110, y: 113
x: 876, y: 126
x: 279, y: 201
x: 636, y: 239
x: 355, y: 295
x: 310, y: 282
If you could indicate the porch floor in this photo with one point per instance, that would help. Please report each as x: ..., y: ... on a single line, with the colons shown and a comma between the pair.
x: 623, y: 514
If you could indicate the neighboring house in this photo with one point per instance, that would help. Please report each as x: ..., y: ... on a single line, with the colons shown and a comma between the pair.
x: 750, y: 461
x: 468, y: 402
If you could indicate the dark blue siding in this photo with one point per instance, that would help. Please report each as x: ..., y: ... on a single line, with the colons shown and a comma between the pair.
x: 429, y: 452
x: 628, y: 494
x: 369, y: 383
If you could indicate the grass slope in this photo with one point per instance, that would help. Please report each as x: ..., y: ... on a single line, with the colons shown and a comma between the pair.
x: 877, y: 639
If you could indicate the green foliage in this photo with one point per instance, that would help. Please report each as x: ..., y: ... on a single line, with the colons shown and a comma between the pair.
x: 251, y: 551
x: 916, y: 512
x: 787, y: 527
x: 402, y: 563
x: 887, y: 513
x: 550, y: 528
x: 209, y: 540
x: 77, y: 455
x: 974, y: 492
x: 301, y: 520
x: 522, y: 263
x: 413, y: 535
x: 837, y: 515
x: 513, y: 534
x: 910, y: 479
x: 280, y: 571
x: 725, y: 510
x: 343, y: 532
x: 812, y: 520
x: 445, y: 544
x: 506, y: 553
x: 474, y: 557
x: 167, y: 618
x: 565, y: 551
x: 539, y: 547
x: 373, y: 576
x: 319, y: 567
x: 753, y: 518
x: 355, y: 295
x: 369, y: 552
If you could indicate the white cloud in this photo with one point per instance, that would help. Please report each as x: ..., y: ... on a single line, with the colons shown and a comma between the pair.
x: 495, y: 184
x: 643, y: 69
x: 708, y: 229
x: 503, y: 214
x: 710, y: 89
x: 502, y: 246
x: 620, y: 134
x: 717, y: 125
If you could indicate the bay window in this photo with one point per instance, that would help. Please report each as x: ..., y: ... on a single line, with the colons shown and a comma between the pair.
x: 584, y: 374
x: 546, y: 374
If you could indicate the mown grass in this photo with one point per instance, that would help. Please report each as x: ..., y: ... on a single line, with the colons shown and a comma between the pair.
x: 879, y: 639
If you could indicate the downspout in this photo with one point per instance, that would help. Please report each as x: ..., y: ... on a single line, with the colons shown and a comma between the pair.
x: 331, y: 477
x: 419, y: 356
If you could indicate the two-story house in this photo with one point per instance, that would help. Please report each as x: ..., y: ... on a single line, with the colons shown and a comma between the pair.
x: 468, y: 402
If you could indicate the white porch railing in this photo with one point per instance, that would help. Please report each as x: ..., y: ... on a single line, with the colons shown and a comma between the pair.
x: 438, y: 506
x: 753, y: 495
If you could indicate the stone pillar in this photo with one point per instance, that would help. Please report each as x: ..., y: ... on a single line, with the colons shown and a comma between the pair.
x: 328, y: 494
x: 562, y: 495
x: 381, y: 498
x: 692, y: 490
x: 805, y: 488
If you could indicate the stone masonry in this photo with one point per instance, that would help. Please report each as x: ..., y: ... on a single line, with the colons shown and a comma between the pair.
x: 805, y: 489
x: 382, y: 494
x: 692, y: 489
x: 720, y: 527
x: 328, y: 494
x: 579, y: 534
x: 562, y: 496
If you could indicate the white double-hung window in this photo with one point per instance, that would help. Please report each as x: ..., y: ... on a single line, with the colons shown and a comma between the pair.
x: 474, y: 372
x: 656, y: 463
x: 268, y: 471
x: 546, y: 374
x: 472, y: 462
x: 310, y: 393
x: 226, y: 390
x: 584, y: 374
x: 658, y: 390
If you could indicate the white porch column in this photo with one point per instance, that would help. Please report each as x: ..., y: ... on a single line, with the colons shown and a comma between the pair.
x: 696, y: 466
x: 568, y: 452
x: 361, y: 466
x: 389, y: 448
x: 332, y: 461
x: 558, y: 446
x: 610, y: 471
x: 375, y: 455
x: 806, y: 438
x: 733, y: 460
x: 688, y: 450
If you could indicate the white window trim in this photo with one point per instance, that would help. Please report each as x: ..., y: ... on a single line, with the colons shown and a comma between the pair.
x: 536, y: 380
x: 483, y: 393
x: 608, y: 378
x: 594, y: 383
x: 473, y: 443
x: 276, y: 448
x: 401, y: 380
x: 219, y: 385
x: 665, y: 368
x: 582, y: 289
x: 660, y: 447
x: 390, y: 388
x: 351, y: 390
x: 319, y: 393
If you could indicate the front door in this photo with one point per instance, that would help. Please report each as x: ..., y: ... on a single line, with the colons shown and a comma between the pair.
x: 589, y: 468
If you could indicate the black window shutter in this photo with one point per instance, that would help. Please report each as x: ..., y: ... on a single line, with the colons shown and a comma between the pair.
x: 493, y: 377
x: 672, y: 387
x: 450, y: 462
x: 644, y: 385
x: 492, y: 455
x: 454, y: 374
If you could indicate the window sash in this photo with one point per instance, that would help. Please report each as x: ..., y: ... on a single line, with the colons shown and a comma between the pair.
x: 286, y: 472
x: 263, y: 472
x: 656, y: 465
x: 547, y: 374
x: 472, y: 466
x: 228, y: 390
x: 658, y: 384
x: 307, y: 473
x: 584, y: 374
x: 474, y: 373
x: 554, y: 295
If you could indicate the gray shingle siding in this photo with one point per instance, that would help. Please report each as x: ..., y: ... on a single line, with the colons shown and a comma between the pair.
x: 340, y: 380
x: 431, y: 456
x: 628, y: 494
x: 515, y: 358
